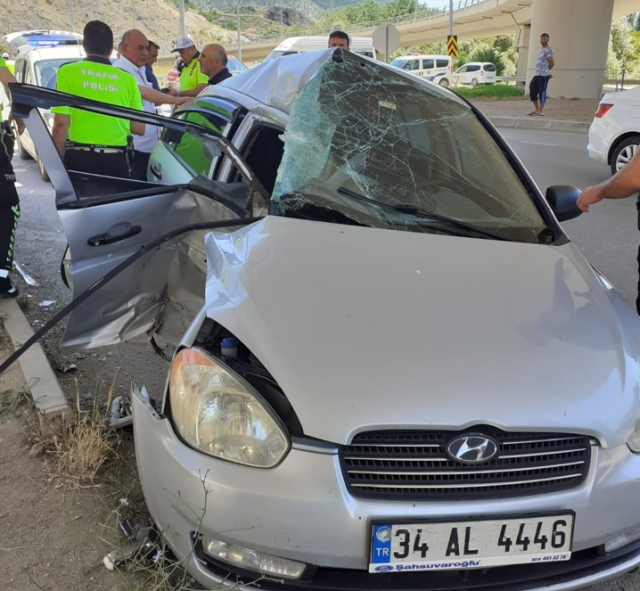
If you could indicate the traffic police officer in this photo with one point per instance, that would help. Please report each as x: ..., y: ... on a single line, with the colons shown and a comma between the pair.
x: 192, y: 81
x: 9, y: 202
x: 90, y: 142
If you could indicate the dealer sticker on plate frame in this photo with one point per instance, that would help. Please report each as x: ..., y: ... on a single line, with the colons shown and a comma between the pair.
x: 437, y: 545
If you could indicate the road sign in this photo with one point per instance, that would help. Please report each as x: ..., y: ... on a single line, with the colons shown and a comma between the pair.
x: 386, y: 39
x: 452, y: 45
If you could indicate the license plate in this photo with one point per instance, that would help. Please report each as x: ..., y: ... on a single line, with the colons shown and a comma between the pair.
x: 470, y: 544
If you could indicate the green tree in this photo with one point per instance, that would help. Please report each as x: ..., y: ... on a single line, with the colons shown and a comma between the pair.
x: 622, y: 52
x: 489, y: 54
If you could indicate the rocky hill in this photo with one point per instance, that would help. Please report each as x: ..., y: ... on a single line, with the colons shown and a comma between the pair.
x: 157, y: 18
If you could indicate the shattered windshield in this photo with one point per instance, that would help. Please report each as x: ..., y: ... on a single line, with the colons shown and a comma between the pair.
x: 370, y: 147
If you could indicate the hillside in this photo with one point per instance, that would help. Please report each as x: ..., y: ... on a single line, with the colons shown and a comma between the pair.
x: 158, y: 19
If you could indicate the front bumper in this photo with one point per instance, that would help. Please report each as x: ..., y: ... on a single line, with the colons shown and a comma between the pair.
x: 301, y: 510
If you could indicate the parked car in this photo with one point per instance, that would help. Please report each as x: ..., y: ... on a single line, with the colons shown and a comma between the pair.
x: 38, y: 64
x: 435, y: 68
x: 393, y: 369
x: 295, y: 45
x: 475, y: 73
x: 614, y: 134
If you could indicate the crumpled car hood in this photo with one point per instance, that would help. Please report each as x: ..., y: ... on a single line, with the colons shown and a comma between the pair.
x: 377, y: 329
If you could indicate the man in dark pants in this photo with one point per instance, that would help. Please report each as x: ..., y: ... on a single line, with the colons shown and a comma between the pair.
x: 625, y: 183
x: 542, y: 75
x: 90, y: 142
x: 9, y: 201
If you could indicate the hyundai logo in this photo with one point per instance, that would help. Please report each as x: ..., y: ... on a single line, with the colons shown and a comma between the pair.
x: 472, y: 448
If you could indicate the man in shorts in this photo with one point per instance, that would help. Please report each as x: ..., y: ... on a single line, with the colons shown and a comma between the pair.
x: 542, y: 74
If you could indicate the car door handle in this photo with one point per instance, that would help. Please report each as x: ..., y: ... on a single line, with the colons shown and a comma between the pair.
x: 102, y: 239
x: 156, y: 170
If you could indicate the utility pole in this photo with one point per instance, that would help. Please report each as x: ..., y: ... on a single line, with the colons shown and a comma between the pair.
x: 450, y: 17
x: 71, y: 16
x: 331, y: 17
x: 238, y: 17
x: 183, y: 30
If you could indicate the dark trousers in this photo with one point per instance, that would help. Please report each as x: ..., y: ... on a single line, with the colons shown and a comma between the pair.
x: 538, y: 88
x: 9, y: 214
x: 97, y: 162
x: 140, y: 165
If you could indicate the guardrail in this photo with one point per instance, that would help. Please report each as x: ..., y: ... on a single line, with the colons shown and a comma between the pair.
x: 418, y: 15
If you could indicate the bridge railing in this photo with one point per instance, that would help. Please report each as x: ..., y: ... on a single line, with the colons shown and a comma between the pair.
x: 418, y: 15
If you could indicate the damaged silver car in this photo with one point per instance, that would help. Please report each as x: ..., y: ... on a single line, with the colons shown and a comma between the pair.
x: 393, y: 369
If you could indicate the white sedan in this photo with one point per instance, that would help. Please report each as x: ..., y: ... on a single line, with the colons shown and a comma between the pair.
x: 614, y: 135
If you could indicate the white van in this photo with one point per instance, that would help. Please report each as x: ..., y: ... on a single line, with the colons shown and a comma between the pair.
x: 293, y: 45
x: 436, y: 68
x: 475, y: 73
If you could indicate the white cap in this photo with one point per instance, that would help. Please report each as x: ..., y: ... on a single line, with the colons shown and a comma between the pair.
x: 183, y: 42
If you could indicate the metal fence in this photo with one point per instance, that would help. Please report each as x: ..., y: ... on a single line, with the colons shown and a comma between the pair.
x: 418, y: 15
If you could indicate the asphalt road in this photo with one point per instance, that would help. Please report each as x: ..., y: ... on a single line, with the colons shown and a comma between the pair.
x: 608, y: 236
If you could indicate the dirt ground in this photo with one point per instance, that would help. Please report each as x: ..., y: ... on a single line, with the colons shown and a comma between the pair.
x: 561, y: 109
x: 52, y: 537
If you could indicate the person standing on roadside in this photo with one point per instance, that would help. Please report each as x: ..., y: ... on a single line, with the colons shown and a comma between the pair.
x: 625, y: 183
x: 90, y: 142
x: 152, y: 58
x: 339, y: 39
x: 542, y: 75
x: 9, y: 201
x: 192, y: 81
x: 213, y: 63
x: 133, y: 59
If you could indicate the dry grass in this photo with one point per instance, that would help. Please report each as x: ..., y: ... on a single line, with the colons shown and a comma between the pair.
x: 84, y: 445
x: 14, y: 401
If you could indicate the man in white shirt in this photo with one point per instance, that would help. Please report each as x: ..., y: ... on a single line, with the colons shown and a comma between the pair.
x: 133, y: 57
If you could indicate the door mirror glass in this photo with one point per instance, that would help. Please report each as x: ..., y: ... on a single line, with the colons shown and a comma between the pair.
x: 563, y: 201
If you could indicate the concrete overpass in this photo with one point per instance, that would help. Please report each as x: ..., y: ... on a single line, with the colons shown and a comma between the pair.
x: 579, y: 31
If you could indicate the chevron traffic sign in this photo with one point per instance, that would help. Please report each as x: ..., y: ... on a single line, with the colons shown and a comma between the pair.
x: 452, y: 45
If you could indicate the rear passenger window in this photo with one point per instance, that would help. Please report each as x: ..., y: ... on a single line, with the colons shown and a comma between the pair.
x: 489, y: 68
x: 427, y: 64
x: 442, y: 63
x: 474, y: 68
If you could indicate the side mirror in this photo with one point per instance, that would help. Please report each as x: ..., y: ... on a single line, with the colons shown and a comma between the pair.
x: 563, y: 199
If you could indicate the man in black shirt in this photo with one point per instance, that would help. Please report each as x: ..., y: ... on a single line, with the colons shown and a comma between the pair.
x: 213, y: 63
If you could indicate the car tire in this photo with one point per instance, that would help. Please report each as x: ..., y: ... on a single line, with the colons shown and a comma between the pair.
x: 444, y: 82
x: 24, y: 155
x: 43, y: 171
x: 624, y: 152
x: 474, y: 82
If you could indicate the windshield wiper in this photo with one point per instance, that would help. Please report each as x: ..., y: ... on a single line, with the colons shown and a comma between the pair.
x: 436, y: 217
x: 427, y: 215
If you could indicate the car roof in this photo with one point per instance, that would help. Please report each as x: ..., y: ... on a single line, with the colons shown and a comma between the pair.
x: 277, y: 83
x: 50, y: 53
x: 413, y: 57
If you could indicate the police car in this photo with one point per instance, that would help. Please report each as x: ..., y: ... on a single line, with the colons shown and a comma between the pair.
x: 40, y: 54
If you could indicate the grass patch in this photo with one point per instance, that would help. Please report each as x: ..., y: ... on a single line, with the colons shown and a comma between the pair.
x: 495, y: 91
x: 84, y: 445
x: 13, y: 401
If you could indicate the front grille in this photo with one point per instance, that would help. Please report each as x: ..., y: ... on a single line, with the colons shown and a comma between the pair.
x: 400, y: 465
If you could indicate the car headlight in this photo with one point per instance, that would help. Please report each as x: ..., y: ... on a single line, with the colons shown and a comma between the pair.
x: 217, y: 412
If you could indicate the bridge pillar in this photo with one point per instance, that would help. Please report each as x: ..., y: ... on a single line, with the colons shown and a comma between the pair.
x: 579, y: 35
x: 523, y: 51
